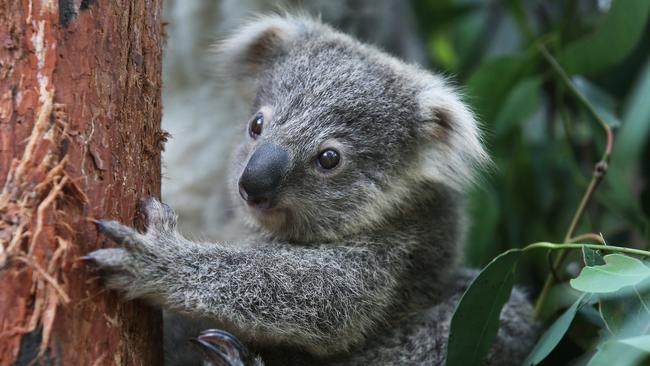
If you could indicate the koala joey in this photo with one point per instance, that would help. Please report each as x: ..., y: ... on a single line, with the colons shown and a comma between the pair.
x: 349, y: 176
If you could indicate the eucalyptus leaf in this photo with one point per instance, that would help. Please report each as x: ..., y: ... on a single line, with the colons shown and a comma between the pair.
x: 561, y: 296
x: 551, y: 338
x: 630, y: 142
x: 592, y: 257
x: 636, y: 114
x: 614, y: 353
x: 492, y: 81
x: 626, y: 312
x: 614, y: 313
x: 522, y: 101
x: 641, y: 342
x: 614, y: 39
x: 476, y: 319
x: 604, y: 103
x: 618, y: 271
x: 629, y: 344
x: 484, y: 209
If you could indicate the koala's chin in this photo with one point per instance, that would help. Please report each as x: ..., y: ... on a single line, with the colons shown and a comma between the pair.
x: 272, y: 219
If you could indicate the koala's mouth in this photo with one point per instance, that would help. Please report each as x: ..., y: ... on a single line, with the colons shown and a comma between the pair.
x: 271, y: 217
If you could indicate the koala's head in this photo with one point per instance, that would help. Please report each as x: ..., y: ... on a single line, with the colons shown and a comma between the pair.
x: 340, y: 135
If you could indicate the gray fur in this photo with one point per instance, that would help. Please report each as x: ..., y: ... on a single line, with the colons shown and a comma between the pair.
x: 357, y: 265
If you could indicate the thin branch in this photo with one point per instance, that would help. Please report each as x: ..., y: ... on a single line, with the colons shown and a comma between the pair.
x: 606, y: 248
x: 588, y: 236
x: 557, y: 69
x: 596, y: 177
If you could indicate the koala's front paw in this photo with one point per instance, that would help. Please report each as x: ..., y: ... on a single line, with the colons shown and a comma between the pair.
x: 138, y: 264
x: 221, y: 348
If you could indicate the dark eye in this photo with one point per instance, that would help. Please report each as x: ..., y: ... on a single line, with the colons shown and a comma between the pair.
x: 255, y: 128
x: 329, y: 159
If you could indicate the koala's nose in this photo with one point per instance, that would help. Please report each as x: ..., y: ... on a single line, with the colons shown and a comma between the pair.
x: 262, y: 176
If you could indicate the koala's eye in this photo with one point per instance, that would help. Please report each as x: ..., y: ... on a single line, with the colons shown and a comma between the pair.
x: 329, y: 159
x: 255, y: 127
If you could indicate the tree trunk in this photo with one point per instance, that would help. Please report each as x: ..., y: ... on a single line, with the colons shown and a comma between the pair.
x: 80, y: 138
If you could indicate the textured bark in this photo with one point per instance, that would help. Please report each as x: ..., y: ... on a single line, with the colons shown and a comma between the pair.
x: 80, y: 138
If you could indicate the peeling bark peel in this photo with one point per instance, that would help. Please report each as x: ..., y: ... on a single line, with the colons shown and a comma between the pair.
x: 79, y: 138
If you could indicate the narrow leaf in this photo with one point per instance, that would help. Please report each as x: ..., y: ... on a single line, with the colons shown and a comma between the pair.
x: 641, y: 342
x: 604, y: 103
x: 476, y: 320
x: 631, y: 344
x: 560, y: 297
x: 627, y: 156
x: 522, y: 101
x: 492, y: 80
x: 618, y: 34
x: 613, y: 313
x: 614, y: 353
x: 618, y: 271
x: 553, y: 334
x: 626, y: 312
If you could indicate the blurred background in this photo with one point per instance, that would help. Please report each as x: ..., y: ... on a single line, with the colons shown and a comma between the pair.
x: 543, y: 138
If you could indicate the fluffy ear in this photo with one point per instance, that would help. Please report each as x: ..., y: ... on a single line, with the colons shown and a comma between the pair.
x: 455, y: 149
x: 253, y: 47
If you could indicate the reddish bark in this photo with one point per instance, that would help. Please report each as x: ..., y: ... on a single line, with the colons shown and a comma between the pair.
x: 79, y: 138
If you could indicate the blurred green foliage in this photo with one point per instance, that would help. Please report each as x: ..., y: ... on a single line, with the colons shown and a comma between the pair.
x: 543, y: 141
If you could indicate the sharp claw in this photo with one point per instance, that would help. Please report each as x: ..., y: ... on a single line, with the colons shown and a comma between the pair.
x: 214, y: 354
x: 100, y: 225
x: 225, y: 346
x: 87, y: 258
x: 220, y: 336
x: 119, y: 233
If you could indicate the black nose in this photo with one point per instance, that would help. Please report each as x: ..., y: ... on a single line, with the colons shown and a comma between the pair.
x: 259, y: 183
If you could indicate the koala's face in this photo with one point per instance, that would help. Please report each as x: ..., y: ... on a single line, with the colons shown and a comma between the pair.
x: 336, y: 135
x: 327, y: 133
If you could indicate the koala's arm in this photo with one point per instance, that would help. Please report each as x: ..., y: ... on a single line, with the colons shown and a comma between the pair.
x: 323, y: 298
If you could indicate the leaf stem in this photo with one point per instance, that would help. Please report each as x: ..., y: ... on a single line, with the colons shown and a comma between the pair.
x: 607, y: 248
x: 596, y: 177
x: 557, y: 69
x: 588, y: 236
x: 550, y: 278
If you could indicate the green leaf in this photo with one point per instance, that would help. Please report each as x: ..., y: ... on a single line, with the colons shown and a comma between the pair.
x: 592, y: 257
x: 561, y: 296
x: 492, y: 81
x: 553, y: 334
x: 483, y: 208
x: 442, y: 50
x: 629, y: 144
x: 614, y: 353
x: 613, y: 313
x: 604, y: 103
x: 641, y: 342
x: 626, y: 312
x: 629, y: 345
x: 476, y: 320
x: 636, y: 114
x: 618, y: 34
x: 522, y: 101
x: 618, y: 272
